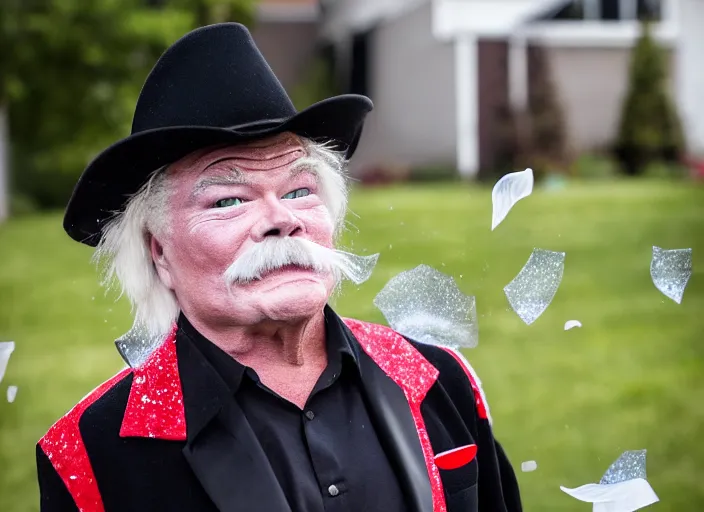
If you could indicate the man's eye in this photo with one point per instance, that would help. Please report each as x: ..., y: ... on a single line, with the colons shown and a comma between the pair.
x: 230, y: 201
x: 301, y: 192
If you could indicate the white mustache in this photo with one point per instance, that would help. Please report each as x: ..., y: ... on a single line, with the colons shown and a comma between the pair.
x: 277, y: 252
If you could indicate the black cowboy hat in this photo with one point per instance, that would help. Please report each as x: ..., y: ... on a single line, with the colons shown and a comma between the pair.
x: 211, y: 87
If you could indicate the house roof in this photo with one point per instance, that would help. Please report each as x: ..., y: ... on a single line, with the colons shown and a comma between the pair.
x: 291, y: 11
x: 485, y: 17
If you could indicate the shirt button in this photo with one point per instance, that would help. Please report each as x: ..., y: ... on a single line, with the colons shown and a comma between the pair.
x: 333, y: 490
x: 310, y: 415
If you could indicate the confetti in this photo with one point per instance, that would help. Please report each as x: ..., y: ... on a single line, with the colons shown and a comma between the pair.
x: 510, y: 189
x: 11, y: 393
x: 426, y: 305
x: 6, y: 349
x: 623, y: 488
x: 628, y: 466
x: 136, y: 344
x: 357, y: 269
x: 532, y: 290
x: 571, y: 324
x: 528, y: 466
x: 670, y: 271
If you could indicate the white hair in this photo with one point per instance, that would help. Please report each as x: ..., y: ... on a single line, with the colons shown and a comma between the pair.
x: 124, y: 251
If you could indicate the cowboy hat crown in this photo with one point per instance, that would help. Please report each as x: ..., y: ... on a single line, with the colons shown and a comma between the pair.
x: 211, y: 87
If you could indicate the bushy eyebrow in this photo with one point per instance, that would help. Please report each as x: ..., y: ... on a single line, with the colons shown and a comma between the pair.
x: 306, y: 165
x: 236, y: 177
x: 233, y: 177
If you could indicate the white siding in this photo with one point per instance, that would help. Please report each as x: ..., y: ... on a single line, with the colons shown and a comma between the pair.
x: 412, y: 86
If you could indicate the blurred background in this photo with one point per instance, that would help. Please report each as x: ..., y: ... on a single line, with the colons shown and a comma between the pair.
x: 603, y: 99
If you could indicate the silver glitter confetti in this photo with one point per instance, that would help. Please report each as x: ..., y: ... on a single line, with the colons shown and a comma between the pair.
x: 510, y: 189
x: 671, y: 270
x: 136, y: 344
x: 528, y: 466
x: 532, y: 290
x: 628, y: 466
x: 427, y: 306
x: 11, y: 393
x: 6, y: 349
x: 356, y: 268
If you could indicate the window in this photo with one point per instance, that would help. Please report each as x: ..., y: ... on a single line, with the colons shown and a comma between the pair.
x: 360, y: 64
x: 650, y: 9
x: 608, y: 10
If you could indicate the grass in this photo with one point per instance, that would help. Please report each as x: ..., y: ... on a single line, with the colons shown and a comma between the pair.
x: 632, y: 377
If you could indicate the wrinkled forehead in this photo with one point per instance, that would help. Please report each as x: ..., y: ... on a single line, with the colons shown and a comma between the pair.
x: 259, y: 155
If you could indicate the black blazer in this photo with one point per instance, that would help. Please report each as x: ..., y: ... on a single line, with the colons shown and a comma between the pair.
x: 167, y: 437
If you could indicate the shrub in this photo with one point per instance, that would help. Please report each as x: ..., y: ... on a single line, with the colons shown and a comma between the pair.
x: 650, y: 128
x: 594, y: 166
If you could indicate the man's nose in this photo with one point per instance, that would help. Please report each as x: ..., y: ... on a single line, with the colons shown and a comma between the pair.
x: 277, y: 220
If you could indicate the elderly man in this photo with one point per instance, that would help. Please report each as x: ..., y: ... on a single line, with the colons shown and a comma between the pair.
x: 217, y: 216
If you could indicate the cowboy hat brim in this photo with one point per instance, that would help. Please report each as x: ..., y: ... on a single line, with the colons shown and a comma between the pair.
x: 122, y: 169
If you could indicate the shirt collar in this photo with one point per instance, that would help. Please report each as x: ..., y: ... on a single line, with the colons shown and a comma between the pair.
x: 337, y: 340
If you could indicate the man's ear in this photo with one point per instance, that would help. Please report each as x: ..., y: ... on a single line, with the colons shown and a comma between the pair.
x: 163, y: 269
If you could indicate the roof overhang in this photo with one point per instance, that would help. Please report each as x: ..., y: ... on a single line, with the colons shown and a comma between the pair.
x: 485, y: 18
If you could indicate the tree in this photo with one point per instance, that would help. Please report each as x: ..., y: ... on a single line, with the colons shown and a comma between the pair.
x: 74, y: 73
x: 536, y: 137
x: 649, y: 129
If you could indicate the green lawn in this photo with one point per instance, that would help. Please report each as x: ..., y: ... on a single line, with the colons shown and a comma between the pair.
x: 631, y: 378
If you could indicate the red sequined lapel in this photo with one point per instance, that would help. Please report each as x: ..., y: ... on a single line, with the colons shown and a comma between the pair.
x: 155, y: 406
x: 479, y: 397
x: 64, y: 447
x: 414, y: 375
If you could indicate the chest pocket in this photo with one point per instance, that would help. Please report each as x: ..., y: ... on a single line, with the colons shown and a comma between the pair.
x: 461, y: 487
x: 463, y: 501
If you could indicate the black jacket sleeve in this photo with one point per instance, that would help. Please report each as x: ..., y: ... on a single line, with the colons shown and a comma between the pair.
x: 497, y: 485
x: 54, y: 497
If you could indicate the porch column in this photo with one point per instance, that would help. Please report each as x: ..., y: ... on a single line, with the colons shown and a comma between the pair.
x: 690, y: 73
x: 467, y: 100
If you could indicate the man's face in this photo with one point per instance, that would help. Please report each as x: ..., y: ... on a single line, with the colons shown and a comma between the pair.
x: 222, y: 202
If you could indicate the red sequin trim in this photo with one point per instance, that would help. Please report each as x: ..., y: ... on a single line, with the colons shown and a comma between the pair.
x: 414, y: 375
x: 155, y: 405
x: 64, y: 447
x: 479, y: 398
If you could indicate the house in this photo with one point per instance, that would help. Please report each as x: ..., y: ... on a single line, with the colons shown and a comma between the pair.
x: 286, y: 32
x: 690, y: 73
x: 440, y: 71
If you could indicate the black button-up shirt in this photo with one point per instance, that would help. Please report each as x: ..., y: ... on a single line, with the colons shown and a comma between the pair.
x: 326, y: 457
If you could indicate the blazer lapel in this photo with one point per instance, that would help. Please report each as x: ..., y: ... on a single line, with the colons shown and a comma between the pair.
x: 221, y: 447
x: 394, y: 423
x: 396, y: 379
x: 232, y: 468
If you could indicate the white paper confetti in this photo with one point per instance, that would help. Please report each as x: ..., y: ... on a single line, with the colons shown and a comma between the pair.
x: 427, y: 306
x: 623, y: 488
x: 510, y: 189
x: 6, y: 349
x: 532, y: 290
x: 670, y: 271
x: 528, y: 466
x: 11, y: 393
x: 571, y: 324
